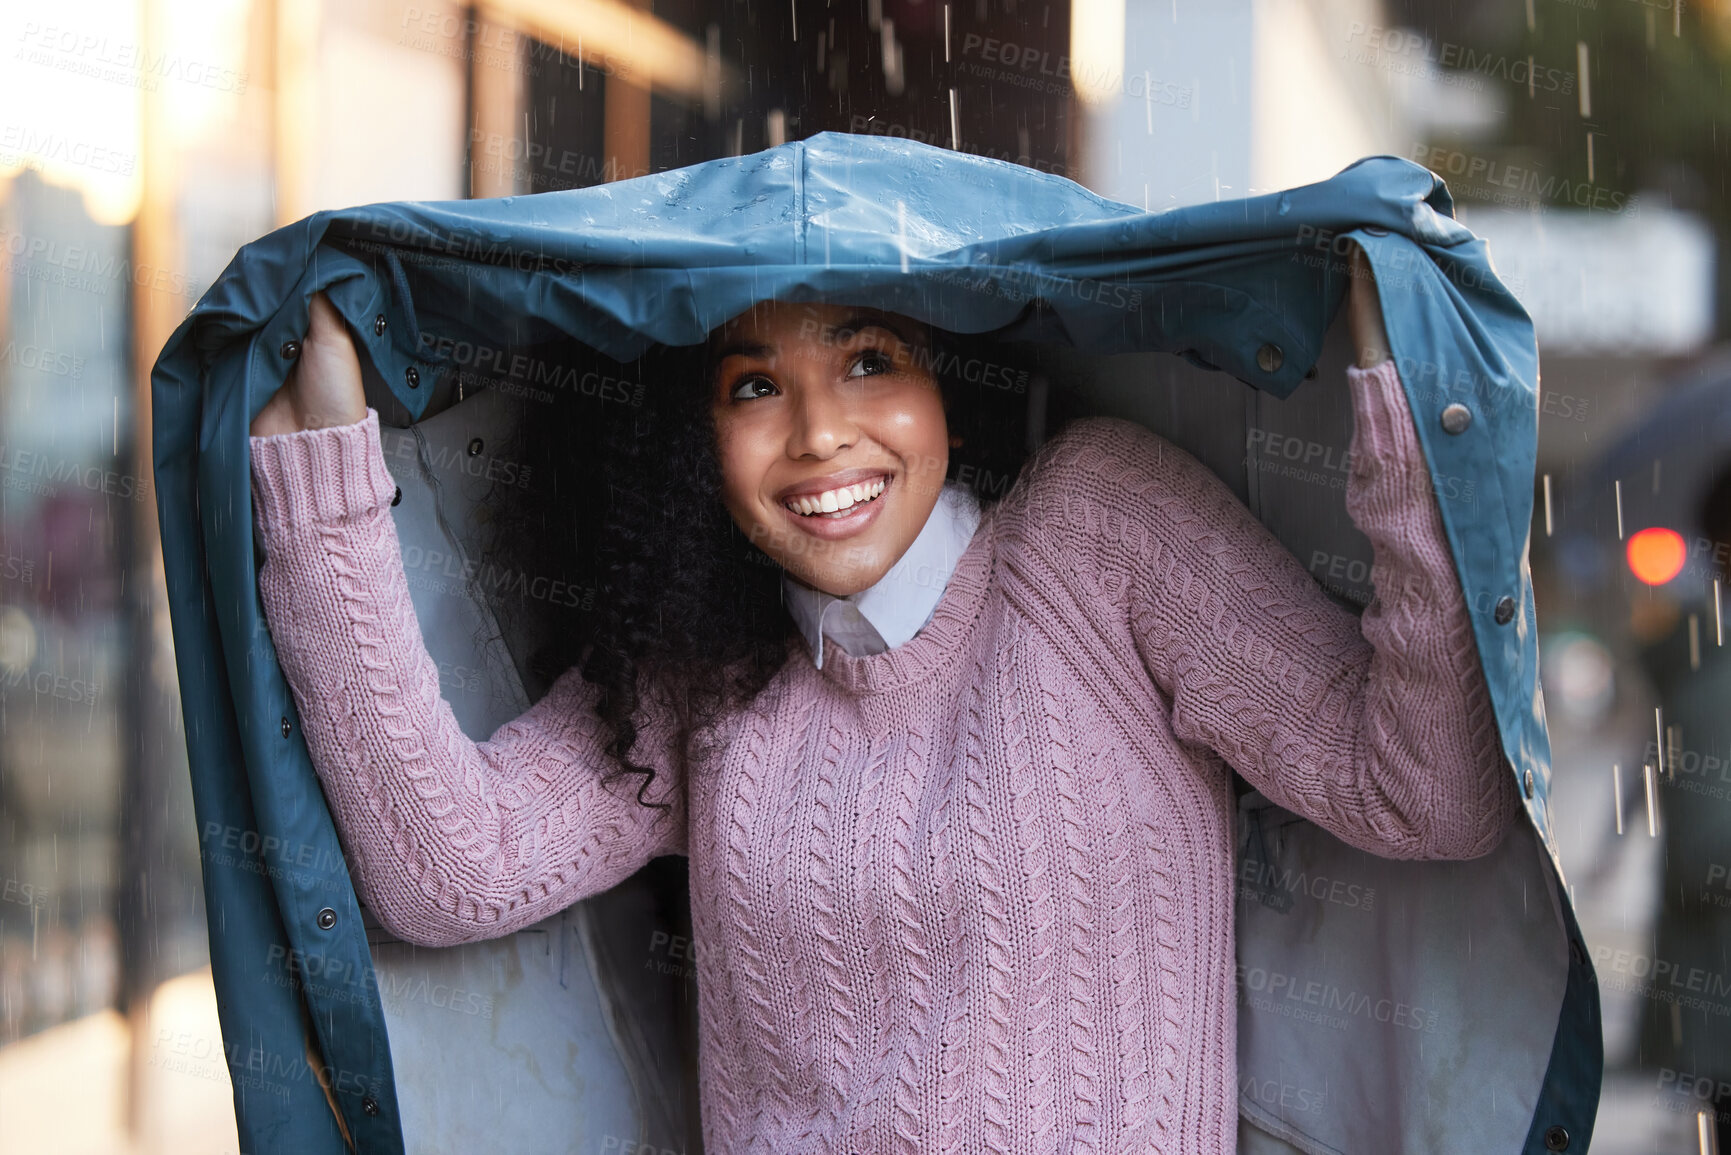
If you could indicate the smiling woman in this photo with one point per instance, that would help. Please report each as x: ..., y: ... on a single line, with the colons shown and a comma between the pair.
x: 681, y: 513
x: 974, y: 886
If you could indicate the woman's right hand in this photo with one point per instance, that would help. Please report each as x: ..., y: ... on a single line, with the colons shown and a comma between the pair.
x: 324, y: 386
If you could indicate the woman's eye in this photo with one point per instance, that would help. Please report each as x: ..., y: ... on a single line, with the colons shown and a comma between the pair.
x: 870, y: 364
x: 752, y: 383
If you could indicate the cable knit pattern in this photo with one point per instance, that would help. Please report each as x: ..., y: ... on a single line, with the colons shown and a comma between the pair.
x: 971, y: 894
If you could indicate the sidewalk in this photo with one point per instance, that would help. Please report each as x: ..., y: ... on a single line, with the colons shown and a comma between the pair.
x: 63, y: 1091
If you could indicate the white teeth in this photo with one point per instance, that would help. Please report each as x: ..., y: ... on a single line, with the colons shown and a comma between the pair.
x: 835, y: 501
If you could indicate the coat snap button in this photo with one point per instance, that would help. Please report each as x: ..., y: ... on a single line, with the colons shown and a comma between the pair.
x: 327, y: 918
x: 1556, y: 1139
x: 1527, y: 783
x: 1456, y: 418
x: 370, y: 1105
x: 379, y: 325
x: 1505, y: 611
x: 291, y: 350
x: 475, y: 447
x: 413, y: 376
x: 397, y: 497
x: 285, y: 726
x: 1269, y: 358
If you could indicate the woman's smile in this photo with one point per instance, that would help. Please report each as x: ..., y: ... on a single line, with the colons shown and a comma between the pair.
x: 839, y: 511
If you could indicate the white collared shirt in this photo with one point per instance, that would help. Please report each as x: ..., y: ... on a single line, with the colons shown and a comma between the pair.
x: 901, y: 602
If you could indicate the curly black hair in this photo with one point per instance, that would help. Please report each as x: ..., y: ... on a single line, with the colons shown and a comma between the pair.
x: 626, y: 507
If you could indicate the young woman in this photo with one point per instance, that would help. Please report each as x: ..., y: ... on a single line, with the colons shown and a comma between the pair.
x: 962, y: 843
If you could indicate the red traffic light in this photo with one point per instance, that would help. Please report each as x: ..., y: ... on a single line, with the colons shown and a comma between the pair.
x: 1656, y: 555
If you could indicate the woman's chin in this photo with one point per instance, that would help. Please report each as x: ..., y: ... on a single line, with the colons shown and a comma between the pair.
x: 848, y: 572
x: 838, y: 568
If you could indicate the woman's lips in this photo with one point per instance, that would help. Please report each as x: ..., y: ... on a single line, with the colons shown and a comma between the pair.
x: 845, y: 523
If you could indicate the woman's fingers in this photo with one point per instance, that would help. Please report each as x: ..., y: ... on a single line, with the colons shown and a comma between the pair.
x: 327, y: 378
x: 324, y: 386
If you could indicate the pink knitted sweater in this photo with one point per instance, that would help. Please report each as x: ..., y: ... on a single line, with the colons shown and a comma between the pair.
x: 974, y: 893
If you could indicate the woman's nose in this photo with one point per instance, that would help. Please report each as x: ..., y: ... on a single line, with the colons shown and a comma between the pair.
x: 824, y: 423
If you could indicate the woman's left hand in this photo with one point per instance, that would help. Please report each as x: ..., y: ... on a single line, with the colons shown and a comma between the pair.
x: 1364, y: 313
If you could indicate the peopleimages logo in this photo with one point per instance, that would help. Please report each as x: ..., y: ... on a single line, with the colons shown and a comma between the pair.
x: 42, y: 360
x: 1275, y: 887
x: 86, y: 269
x: 40, y: 474
x: 1372, y: 44
x: 1325, y: 1003
x: 1491, y: 180
x: 524, y: 370
x: 20, y: 144
x: 98, y: 56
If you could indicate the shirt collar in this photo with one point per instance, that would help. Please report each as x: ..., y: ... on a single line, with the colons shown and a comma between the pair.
x: 899, y: 604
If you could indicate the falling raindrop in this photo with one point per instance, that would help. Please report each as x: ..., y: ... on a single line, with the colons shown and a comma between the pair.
x: 1617, y: 793
x: 902, y: 232
x: 1652, y: 806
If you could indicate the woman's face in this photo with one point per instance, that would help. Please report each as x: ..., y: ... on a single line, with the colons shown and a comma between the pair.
x: 822, y: 408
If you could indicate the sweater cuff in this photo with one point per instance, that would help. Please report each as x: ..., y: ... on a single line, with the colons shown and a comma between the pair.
x: 319, y: 475
x: 1382, y: 420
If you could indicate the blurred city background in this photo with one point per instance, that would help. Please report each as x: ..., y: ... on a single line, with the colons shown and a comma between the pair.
x: 143, y: 141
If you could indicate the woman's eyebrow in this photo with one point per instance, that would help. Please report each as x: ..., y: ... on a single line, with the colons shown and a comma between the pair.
x: 741, y: 348
x: 860, y: 321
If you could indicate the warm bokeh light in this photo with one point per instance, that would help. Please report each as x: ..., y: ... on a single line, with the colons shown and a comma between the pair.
x: 1097, y: 50
x: 1656, y: 555
x: 65, y: 1089
x: 205, y: 59
x: 80, y: 75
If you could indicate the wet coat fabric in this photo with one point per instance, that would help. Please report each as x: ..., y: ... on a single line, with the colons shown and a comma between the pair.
x: 1383, y: 1006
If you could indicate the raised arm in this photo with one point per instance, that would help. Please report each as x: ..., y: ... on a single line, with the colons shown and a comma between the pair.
x: 450, y: 840
x: 1378, y: 729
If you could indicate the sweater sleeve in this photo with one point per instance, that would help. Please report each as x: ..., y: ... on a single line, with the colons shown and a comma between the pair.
x: 449, y: 840
x: 1378, y: 729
